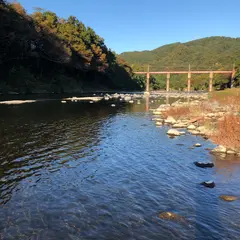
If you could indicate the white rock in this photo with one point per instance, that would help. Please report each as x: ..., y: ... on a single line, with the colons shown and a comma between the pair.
x: 159, y: 123
x: 173, y: 132
x: 197, y: 145
x: 231, y: 152
x: 63, y: 101
x: 179, y: 125
x: 113, y: 105
x: 170, y: 120
x: 191, y: 127
x: 220, y: 149
x: 131, y: 101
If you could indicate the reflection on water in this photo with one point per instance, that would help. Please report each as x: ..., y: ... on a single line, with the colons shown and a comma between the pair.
x: 92, y: 171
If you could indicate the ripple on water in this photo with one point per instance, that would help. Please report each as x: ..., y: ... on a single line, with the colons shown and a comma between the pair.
x: 98, y: 172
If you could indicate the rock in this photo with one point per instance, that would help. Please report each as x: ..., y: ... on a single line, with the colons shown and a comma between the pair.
x: 171, y: 216
x: 106, y: 98
x: 131, y: 101
x: 157, y: 119
x: 113, y: 105
x: 63, y: 101
x: 90, y: 101
x: 197, y: 145
x: 170, y: 120
x: 204, y: 165
x: 194, y: 132
x: 179, y: 125
x: 191, y: 127
x: 209, y: 184
x: 127, y: 98
x: 159, y: 123
x: 219, y: 149
x: 182, y: 132
x: 228, y: 198
x: 231, y: 152
x: 173, y: 132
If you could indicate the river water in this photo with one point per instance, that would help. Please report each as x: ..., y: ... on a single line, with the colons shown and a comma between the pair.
x: 92, y: 171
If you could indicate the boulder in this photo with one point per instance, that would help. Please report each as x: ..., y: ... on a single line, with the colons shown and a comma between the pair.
x: 191, y: 127
x: 231, y: 152
x: 173, y: 132
x: 208, y: 184
x: 204, y: 165
x: 228, y: 198
x: 219, y: 149
x: 194, y: 132
x: 171, y: 216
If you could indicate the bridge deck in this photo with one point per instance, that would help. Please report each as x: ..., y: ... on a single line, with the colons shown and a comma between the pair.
x: 183, y: 72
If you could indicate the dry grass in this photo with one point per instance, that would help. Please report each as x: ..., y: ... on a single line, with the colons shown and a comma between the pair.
x: 228, y: 132
x: 177, y: 112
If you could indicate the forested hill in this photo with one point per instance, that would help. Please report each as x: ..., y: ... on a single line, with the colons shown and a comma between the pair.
x: 205, y: 53
x: 45, y: 53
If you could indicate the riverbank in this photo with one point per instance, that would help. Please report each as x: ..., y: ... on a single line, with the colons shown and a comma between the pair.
x: 216, y: 117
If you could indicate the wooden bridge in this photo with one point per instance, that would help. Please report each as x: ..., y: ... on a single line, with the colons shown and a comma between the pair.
x: 189, y: 73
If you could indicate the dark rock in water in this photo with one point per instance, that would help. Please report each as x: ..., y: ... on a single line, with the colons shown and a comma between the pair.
x: 204, y: 165
x: 171, y: 216
x: 228, y: 198
x: 209, y: 184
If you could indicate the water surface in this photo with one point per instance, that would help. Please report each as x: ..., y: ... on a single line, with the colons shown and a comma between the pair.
x: 91, y: 171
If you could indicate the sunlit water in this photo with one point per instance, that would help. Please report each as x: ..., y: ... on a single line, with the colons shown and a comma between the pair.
x: 92, y: 171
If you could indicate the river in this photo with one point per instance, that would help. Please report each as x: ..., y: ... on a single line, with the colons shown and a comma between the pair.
x: 92, y: 171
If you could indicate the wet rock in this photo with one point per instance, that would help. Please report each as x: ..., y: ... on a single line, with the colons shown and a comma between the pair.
x: 131, y: 101
x: 157, y: 119
x: 191, y: 127
x: 113, y: 105
x: 182, y: 132
x: 173, y: 132
x: 204, y: 165
x: 171, y: 216
x: 197, y: 145
x: 208, y: 184
x: 228, y: 198
x: 219, y: 149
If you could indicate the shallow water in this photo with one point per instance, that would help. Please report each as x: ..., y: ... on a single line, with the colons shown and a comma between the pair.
x: 91, y: 171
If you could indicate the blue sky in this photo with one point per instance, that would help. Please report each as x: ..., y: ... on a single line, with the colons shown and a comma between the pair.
x: 129, y: 25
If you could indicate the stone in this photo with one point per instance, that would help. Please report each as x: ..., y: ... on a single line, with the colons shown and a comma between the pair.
x: 191, y: 127
x: 219, y: 149
x: 171, y: 216
x: 194, y: 132
x: 159, y: 123
x: 197, y: 145
x: 170, y: 120
x: 179, y: 125
x: 204, y: 165
x: 113, y: 105
x: 228, y: 198
x: 231, y: 152
x: 173, y: 132
x: 131, y: 101
x: 182, y: 132
x: 208, y: 184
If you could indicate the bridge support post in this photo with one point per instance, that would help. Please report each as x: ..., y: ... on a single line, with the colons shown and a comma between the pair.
x: 210, y: 81
x: 148, y: 82
x: 168, y: 82
x: 189, y: 82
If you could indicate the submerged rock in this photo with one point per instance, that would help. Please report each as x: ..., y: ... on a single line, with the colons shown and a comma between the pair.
x: 204, y: 165
x: 173, y: 132
x: 171, y: 216
x: 228, y: 198
x: 209, y: 184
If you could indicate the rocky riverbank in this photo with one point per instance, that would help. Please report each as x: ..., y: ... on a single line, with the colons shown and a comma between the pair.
x: 200, y: 116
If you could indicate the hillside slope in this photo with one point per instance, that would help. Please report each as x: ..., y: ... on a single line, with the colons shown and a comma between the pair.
x: 205, y: 53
